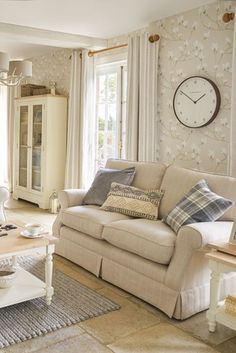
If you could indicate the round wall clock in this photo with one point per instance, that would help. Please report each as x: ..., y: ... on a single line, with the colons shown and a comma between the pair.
x: 196, y: 101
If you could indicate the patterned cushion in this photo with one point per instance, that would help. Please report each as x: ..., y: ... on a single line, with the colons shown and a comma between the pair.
x: 133, y: 202
x: 200, y: 204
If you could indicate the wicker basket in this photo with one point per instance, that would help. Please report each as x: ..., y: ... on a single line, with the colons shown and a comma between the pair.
x: 27, y: 90
x: 230, y: 305
x: 40, y: 91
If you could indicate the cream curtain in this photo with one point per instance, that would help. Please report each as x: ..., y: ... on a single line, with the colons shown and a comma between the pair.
x: 73, y: 173
x: 3, y: 137
x: 13, y: 92
x: 142, y: 98
x: 80, y: 161
x: 88, y: 119
x: 232, y: 162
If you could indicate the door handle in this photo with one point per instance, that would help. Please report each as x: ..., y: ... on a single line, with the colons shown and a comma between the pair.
x: 29, y: 146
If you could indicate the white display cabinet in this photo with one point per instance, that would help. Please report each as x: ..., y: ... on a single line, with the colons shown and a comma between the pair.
x: 39, y: 147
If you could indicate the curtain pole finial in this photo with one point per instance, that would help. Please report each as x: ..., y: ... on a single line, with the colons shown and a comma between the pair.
x: 154, y: 38
x: 228, y: 16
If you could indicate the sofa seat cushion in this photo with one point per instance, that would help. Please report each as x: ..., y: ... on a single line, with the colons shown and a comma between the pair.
x: 89, y: 219
x: 153, y: 240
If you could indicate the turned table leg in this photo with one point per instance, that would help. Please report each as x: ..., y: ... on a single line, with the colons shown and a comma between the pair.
x: 14, y: 262
x: 214, y: 298
x: 48, y: 276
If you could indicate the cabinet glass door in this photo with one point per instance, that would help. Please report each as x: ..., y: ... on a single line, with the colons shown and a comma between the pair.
x: 37, y: 147
x: 23, y: 145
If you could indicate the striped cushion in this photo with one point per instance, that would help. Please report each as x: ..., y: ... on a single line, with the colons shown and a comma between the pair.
x: 200, y: 204
x: 133, y: 202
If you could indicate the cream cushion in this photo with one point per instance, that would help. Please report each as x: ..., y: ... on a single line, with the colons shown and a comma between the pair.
x: 132, y: 201
x: 153, y: 240
x: 178, y: 181
x: 89, y: 219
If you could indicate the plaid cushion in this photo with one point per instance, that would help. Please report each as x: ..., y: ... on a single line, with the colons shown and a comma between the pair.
x: 200, y: 204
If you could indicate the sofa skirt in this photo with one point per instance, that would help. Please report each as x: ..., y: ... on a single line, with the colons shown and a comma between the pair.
x: 140, y: 277
x: 80, y: 256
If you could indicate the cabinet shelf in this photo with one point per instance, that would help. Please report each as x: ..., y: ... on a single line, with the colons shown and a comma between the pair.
x: 35, y: 187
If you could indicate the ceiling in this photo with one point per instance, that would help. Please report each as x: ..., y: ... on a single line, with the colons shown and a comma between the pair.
x: 101, y: 19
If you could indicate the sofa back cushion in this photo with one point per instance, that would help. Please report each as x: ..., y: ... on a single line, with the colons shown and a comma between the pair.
x: 178, y: 181
x: 148, y: 175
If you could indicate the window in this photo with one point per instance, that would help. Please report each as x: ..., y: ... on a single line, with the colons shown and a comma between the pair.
x: 111, y: 81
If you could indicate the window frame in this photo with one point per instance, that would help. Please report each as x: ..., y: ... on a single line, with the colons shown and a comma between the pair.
x: 117, y: 67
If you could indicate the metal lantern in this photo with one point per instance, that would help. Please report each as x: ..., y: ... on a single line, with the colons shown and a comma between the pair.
x: 54, y: 204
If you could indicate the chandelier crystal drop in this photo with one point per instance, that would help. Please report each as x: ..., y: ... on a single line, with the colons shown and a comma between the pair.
x: 13, y: 72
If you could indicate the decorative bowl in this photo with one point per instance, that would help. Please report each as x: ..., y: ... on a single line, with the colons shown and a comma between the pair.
x: 7, y: 277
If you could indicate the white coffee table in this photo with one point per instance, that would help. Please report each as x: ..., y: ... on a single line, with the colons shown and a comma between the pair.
x: 27, y: 286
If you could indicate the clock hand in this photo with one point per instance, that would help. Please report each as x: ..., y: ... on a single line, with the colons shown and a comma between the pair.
x: 199, y: 98
x: 188, y: 97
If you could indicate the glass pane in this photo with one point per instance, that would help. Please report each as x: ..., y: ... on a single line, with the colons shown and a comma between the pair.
x: 112, y: 141
x: 111, y: 125
x: 36, y: 147
x: 24, y: 116
x: 107, y: 125
x: 112, y: 87
x: 123, y: 125
x: 111, y: 145
x: 100, y: 152
x: 101, y: 88
x: 101, y: 117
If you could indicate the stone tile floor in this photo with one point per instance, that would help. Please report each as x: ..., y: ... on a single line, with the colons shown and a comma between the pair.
x: 136, y: 328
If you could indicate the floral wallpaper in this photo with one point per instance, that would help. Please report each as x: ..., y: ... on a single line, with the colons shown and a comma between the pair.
x: 53, y: 67
x: 196, y: 42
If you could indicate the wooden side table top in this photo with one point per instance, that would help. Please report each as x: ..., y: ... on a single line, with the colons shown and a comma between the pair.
x: 223, y: 258
x: 14, y: 242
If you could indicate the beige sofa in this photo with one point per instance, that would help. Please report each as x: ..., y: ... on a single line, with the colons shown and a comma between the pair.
x: 146, y: 258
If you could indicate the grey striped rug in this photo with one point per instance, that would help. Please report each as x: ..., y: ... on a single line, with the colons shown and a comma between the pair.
x: 72, y: 303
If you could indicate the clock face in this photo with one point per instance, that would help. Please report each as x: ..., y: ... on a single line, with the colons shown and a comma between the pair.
x: 196, y: 101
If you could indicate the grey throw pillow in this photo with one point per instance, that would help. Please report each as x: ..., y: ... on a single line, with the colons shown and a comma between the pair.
x: 200, y: 204
x: 101, y: 185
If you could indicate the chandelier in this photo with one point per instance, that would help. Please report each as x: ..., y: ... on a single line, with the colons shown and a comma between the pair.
x: 13, y: 72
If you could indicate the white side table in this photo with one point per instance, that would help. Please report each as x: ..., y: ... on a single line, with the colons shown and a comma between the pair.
x: 219, y: 263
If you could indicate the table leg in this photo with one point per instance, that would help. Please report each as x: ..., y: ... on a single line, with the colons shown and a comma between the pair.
x: 214, y: 298
x: 48, y: 276
x: 14, y: 261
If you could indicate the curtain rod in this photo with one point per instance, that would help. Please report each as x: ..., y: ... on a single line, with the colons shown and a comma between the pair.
x: 92, y: 53
x: 228, y: 16
x: 152, y: 38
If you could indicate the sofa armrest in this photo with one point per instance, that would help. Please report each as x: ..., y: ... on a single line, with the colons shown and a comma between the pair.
x: 208, y: 232
x: 67, y: 198
x: 71, y: 197
x: 192, y: 238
